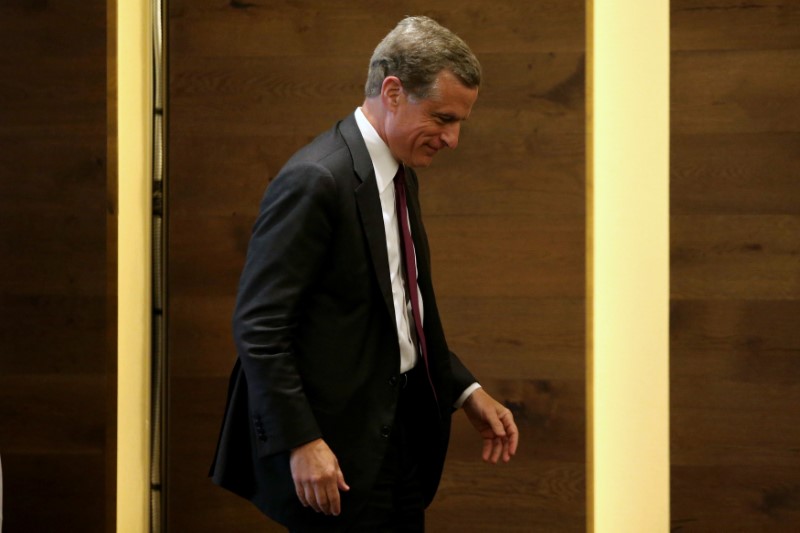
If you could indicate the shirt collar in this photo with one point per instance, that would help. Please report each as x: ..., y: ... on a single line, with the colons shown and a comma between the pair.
x: 383, y: 161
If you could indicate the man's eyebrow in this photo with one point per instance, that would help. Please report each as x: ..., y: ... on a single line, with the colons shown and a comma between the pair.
x: 447, y: 117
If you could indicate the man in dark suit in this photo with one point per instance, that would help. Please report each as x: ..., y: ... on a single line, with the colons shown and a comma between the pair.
x: 339, y: 405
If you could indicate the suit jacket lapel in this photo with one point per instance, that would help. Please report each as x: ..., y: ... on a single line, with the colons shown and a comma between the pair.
x: 369, y: 207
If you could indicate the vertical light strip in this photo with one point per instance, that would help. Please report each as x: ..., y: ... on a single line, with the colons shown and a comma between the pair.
x: 134, y: 86
x: 159, y: 361
x: 628, y: 265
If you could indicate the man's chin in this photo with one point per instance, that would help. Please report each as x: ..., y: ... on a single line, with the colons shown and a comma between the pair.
x: 421, y: 162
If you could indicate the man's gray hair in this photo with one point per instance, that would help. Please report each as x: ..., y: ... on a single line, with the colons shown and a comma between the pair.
x: 416, y: 51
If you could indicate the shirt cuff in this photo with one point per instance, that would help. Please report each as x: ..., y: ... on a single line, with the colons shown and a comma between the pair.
x: 466, y: 394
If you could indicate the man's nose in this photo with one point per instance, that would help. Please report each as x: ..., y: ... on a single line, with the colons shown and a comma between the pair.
x: 450, y: 134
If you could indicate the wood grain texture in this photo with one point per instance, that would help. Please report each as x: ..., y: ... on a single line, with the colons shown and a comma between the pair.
x: 250, y: 83
x: 735, y: 91
x: 736, y: 256
x: 730, y: 174
x: 735, y: 25
x: 741, y: 498
x: 57, y: 416
x: 735, y: 349
x: 54, y: 492
x: 196, y: 504
x: 475, y: 496
x: 308, y: 28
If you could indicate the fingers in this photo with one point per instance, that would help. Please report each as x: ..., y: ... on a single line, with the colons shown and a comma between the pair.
x: 301, y: 494
x: 322, y: 495
x: 494, y: 448
x: 497, y: 426
x: 488, y: 445
x: 503, y: 439
x: 341, y: 483
x: 513, y: 437
x: 327, y: 499
x: 317, y: 477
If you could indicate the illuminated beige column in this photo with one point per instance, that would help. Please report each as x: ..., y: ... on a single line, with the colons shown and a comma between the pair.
x: 134, y: 110
x: 628, y: 265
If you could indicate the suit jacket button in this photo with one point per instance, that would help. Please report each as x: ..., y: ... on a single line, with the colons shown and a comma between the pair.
x: 386, y: 431
x: 393, y: 381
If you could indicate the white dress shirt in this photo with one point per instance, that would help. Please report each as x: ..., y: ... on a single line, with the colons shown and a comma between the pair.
x: 386, y: 166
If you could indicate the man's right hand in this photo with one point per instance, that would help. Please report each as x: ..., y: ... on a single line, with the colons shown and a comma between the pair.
x: 317, y: 477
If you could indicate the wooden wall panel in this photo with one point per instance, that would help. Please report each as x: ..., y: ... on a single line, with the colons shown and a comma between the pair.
x: 249, y: 85
x: 57, y: 405
x: 735, y: 399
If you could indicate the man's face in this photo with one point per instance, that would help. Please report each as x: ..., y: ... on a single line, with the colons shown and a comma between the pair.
x: 417, y: 129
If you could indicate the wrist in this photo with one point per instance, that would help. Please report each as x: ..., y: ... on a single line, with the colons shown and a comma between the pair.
x: 468, y: 397
x: 308, y: 444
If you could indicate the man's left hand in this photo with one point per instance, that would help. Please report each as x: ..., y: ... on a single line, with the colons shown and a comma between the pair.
x: 495, y: 423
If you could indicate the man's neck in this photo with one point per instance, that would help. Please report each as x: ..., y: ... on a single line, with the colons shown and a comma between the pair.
x: 374, y: 113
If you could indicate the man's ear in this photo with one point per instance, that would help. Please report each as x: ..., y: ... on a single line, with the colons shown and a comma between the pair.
x: 391, y: 92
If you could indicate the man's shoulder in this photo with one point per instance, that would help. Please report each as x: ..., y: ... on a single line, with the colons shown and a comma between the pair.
x: 330, y: 149
x: 325, y: 150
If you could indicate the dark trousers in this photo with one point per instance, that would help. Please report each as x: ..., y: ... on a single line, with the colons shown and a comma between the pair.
x: 396, y: 503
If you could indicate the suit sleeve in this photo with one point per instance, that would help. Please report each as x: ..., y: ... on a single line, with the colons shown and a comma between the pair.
x: 462, y: 377
x: 286, y: 251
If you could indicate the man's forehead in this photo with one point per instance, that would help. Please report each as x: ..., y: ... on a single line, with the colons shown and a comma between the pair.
x: 446, y: 79
x: 452, y: 98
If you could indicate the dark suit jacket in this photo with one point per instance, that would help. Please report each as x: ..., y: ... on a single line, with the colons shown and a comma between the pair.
x: 316, y: 338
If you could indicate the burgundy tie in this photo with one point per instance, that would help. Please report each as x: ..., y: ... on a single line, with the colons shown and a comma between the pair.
x: 410, y: 265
